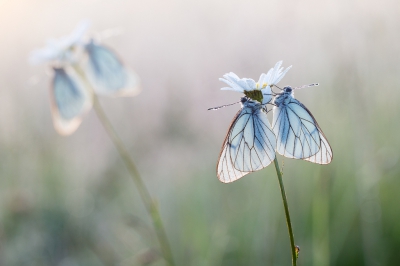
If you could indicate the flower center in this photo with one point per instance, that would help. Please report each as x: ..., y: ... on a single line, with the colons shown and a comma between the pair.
x: 254, y: 95
x: 264, y: 85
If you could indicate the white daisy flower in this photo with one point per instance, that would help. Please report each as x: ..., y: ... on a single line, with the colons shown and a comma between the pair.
x: 237, y: 84
x: 61, y: 49
x: 261, y: 90
x: 274, y: 75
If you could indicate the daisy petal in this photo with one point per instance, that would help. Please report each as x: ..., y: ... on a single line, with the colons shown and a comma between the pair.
x: 281, y: 75
x: 267, y: 95
x: 234, y: 85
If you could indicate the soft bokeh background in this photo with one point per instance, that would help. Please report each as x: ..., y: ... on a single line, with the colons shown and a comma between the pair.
x: 70, y: 201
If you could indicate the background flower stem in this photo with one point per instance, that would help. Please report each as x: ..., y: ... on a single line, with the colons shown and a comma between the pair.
x: 148, y: 202
x: 143, y: 191
x: 285, y: 205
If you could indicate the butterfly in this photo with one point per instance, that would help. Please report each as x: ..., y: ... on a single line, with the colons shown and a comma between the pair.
x: 70, y: 99
x: 249, y: 144
x: 107, y: 74
x: 297, y: 132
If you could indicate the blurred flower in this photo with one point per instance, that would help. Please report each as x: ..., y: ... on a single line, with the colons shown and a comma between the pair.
x: 62, y: 49
x: 260, y: 91
x: 82, y: 68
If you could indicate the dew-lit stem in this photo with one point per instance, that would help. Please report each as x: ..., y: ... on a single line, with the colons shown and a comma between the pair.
x: 148, y: 202
x: 285, y: 205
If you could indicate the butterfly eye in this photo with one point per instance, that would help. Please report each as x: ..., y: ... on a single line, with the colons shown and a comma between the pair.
x: 288, y: 89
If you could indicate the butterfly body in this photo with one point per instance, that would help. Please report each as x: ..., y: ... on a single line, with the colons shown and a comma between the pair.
x: 285, y: 97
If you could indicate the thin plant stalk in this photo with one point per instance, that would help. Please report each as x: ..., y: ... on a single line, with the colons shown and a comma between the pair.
x: 286, y: 207
x: 148, y: 202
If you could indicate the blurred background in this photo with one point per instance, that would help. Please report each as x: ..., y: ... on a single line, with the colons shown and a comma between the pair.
x: 70, y: 201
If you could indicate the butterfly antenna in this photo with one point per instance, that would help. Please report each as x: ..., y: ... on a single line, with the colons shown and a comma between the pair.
x: 306, y: 86
x: 272, y: 93
x: 222, y: 106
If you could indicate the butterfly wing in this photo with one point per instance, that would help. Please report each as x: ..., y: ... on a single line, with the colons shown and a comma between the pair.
x: 325, y: 154
x: 226, y: 171
x: 249, y: 145
x: 69, y: 100
x: 107, y: 73
x: 298, y: 134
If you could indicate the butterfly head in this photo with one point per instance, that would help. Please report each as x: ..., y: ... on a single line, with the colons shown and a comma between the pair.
x: 287, y: 90
x: 284, y: 96
x: 248, y: 102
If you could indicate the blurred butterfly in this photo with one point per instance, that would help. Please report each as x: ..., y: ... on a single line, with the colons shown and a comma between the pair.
x: 297, y: 132
x: 107, y: 74
x: 249, y: 144
x: 69, y: 100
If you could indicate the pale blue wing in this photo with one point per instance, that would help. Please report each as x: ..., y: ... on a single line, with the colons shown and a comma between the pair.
x: 249, y: 145
x: 70, y: 100
x: 325, y: 154
x: 297, y: 132
x: 226, y: 172
x: 107, y: 73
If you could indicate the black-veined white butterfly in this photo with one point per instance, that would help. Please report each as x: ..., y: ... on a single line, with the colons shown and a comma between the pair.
x: 70, y: 99
x: 297, y: 132
x: 249, y: 144
x: 107, y: 73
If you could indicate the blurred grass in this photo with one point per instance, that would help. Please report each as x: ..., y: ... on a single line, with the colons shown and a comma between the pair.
x: 69, y: 201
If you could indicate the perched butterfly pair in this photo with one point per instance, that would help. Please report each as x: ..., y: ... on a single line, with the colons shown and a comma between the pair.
x: 71, y: 97
x: 251, y: 142
x: 76, y: 64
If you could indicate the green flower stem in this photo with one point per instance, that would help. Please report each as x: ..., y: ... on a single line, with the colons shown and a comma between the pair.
x: 143, y: 191
x: 285, y: 205
x: 148, y: 202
